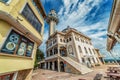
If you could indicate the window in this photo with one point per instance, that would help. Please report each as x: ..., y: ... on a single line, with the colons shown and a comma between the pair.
x: 64, y: 40
x: 80, y: 50
x: 69, y: 39
x: 32, y: 19
x: 90, y: 51
x: 93, y: 51
x: 17, y: 45
x: 60, y: 40
x: 85, y: 50
x: 83, y: 60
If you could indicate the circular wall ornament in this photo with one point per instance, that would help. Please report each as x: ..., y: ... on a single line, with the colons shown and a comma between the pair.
x: 21, y: 51
x: 14, y: 38
x: 10, y: 46
x: 22, y: 45
x: 29, y: 48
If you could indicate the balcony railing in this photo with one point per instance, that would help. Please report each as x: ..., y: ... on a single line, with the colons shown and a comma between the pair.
x: 51, y: 57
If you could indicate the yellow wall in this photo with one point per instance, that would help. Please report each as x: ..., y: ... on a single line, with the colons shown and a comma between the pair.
x: 14, y: 9
x: 9, y: 62
x: 4, y: 30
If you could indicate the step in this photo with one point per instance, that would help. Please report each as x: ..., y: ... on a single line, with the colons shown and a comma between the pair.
x: 82, y: 68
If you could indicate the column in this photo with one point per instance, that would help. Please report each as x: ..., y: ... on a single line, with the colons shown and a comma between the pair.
x: 95, y: 60
x: 48, y: 53
x: 53, y: 66
x: 58, y: 65
x: 58, y: 51
x: 48, y: 65
x: 45, y: 65
x: 53, y: 51
x: 91, y: 60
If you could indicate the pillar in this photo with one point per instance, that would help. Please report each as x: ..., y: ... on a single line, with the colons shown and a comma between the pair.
x: 48, y: 65
x: 58, y: 65
x: 53, y: 66
x: 53, y: 51
x: 58, y: 51
x: 45, y: 66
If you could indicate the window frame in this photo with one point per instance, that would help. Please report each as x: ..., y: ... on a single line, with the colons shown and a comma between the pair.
x: 21, y: 12
x: 80, y: 49
x: 17, y: 45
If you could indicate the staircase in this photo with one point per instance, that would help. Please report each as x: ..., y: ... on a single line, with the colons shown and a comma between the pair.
x: 78, y: 66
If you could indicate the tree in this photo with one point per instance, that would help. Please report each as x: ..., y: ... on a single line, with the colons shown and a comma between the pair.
x: 39, y: 57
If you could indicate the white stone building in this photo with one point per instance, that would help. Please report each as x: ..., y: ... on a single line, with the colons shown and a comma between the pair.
x: 68, y: 50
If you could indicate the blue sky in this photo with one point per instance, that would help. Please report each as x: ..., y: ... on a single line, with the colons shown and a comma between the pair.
x: 90, y: 17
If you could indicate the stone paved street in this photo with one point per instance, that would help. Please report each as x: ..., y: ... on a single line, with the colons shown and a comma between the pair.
x: 41, y: 74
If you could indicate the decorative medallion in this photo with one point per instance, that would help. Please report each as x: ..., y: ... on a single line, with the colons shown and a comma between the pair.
x: 22, y: 48
x: 29, y: 48
x: 14, y: 38
x: 10, y: 46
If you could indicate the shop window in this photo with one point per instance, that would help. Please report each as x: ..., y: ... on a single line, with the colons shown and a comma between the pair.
x: 32, y: 19
x: 18, y: 45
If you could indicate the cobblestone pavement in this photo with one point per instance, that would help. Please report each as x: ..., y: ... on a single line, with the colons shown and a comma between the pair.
x: 42, y: 74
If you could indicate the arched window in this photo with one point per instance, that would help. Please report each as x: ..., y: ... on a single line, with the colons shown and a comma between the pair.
x: 60, y: 40
x: 70, y: 39
x: 85, y: 50
x: 80, y: 50
x: 90, y: 51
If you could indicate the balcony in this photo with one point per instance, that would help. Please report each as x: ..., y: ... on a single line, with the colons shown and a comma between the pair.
x: 51, y: 57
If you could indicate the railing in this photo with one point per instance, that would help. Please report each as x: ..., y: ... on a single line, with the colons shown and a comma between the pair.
x: 51, y: 57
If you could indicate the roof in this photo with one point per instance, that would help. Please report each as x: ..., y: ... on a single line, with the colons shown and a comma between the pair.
x: 66, y: 31
x: 75, y: 30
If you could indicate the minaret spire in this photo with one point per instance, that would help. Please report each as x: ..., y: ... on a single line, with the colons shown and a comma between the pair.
x: 52, y: 20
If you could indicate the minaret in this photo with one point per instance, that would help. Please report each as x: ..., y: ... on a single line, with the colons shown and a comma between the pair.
x: 52, y: 20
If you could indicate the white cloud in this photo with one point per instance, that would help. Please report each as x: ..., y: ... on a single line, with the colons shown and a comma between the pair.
x: 75, y: 17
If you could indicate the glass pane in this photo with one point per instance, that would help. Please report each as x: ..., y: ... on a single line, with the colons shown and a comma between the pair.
x: 10, y: 43
x: 22, y: 47
x: 29, y: 49
x: 30, y: 16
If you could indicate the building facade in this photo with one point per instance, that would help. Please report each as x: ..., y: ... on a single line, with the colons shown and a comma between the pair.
x: 21, y: 32
x: 113, y: 31
x: 68, y: 50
